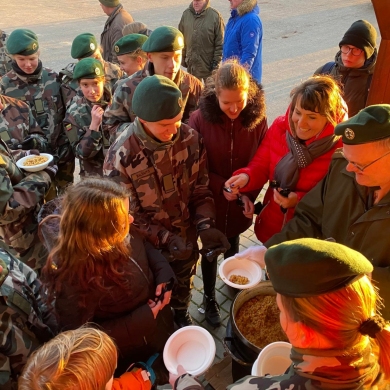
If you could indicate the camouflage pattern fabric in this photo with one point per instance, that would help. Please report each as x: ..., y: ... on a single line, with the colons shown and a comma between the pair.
x: 88, y: 146
x: 168, y: 182
x: 17, y: 123
x: 5, y: 59
x: 42, y: 93
x: 21, y: 196
x: 119, y: 113
x: 70, y: 88
x: 26, y: 321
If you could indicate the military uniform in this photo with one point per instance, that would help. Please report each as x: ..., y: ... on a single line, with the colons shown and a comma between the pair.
x: 18, y: 123
x: 88, y: 149
x: 120, y: 113
x: 168, y: 182
x: 5, y: 59
x: 26, y: 321
x: 42, y: 93
x: 20, y: 200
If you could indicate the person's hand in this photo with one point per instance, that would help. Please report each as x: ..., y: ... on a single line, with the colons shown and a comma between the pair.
x: 97, y: 117
x: 249, y: 207
x: 29, y: 143
x: 33, y: 152
x: 286, y: 203
x: 167, y: 294
x: 213, y: 240
x: 236, y: 182
x: 254, y: 253
x: 230, y: 195
x: 178, y: 248
x: 172, y: 377
x: 51, y: 170
x: 155, y: 307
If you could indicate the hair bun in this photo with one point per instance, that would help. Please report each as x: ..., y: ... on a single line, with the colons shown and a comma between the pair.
x: 372, y: 326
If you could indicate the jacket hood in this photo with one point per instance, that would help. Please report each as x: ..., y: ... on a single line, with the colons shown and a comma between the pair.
x: 191, y: 7
x: 250, y: 116
x: 368, y: 66
x: 246, y: 6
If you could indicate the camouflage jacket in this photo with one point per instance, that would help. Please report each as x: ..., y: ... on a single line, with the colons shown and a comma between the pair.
x: 26, y: 320
x: 70, y: 88
x: 17, y: 123
x: 21, y: 196
x: 119, y: 113
x: 5, y: 59
x: 43, y: 94
x: 88, y: 146
x: 168, y: 181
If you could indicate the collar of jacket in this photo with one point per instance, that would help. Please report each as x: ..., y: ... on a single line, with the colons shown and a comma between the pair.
x: 367, y: 68
x: 4, y: 273
x: 149, y: 142
x: 112, y: 16
x: 246, y: 6
x: 191, y: 7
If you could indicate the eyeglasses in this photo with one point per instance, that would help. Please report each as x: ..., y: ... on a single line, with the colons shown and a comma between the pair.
x: 361, y: 169
x: 354, y: 50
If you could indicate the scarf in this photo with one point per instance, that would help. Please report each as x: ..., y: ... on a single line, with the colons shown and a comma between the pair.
x: 300, y: 156
x: 31, y: 77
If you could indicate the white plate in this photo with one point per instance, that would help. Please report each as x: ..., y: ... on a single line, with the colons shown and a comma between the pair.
x: 274, y: 359
x: 192, y: 347
x: 34, y: 168
x: 243, y: 267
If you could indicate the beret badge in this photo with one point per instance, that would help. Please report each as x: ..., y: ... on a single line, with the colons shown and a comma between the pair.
x: 116, y: 48
x: 34, y: 46
x: 92, y: 46
x: 349, y: 134
x: 97, y: 71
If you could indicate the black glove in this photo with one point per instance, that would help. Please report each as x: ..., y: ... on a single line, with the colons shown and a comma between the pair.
x: 214, y: 242
x: 51, y: 170
x: 29, y: 143
x: 178, y: 248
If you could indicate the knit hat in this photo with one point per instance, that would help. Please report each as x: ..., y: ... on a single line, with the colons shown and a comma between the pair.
x: 157, y: 98
x: 129, y: 43
x: 368, y: 125
x: 88, y: 68
x: 22, y: 41
x: 308, y: 267
x: 164, y: 38
x: 362, y: 35
x: 84, y: 45
x: 110, y: 3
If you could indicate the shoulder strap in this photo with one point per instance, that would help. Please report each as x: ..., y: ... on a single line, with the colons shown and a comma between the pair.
x: 327, y: 68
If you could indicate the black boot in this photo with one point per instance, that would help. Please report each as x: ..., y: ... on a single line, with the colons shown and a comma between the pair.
x: 182, y: 318
x: 211, y: 311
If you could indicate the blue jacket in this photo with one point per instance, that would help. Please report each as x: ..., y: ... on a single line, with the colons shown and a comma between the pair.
x: 243, y: 37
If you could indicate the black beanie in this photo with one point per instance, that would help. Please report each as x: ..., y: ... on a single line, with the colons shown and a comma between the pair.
x: 362, y: 35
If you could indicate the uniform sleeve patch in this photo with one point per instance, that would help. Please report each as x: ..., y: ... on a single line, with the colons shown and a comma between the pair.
x: 68, y: 127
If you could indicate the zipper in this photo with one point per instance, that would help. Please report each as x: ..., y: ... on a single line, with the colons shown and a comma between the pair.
x: 231, y: 168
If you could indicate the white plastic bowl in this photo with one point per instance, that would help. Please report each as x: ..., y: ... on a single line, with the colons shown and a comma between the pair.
x: 243, y: 267
x: 34, y: 168
x: 274, y: 359
x: 192, y: 347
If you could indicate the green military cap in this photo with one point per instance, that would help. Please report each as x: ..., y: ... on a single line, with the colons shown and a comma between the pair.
x: 88, y: 68
x: 22, y: 41
x: 129, y: 43
x: 110, y: 3
x: 164, y: 38
x: 368, y: 125
x: 308, y: 267
x: 84, y: 45
x: 157, y: 98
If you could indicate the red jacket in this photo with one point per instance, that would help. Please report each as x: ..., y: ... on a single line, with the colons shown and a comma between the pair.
x: 230, y: 144
x: 261, y: 170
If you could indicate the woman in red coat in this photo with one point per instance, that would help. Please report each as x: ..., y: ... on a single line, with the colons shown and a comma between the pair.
x: 295, y: 153
x: 232, y: 121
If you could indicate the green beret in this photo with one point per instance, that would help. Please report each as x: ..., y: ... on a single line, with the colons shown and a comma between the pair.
x: 84, y: 45
x: 88, y: 68
x: 308, y: 267
x: 129, y: 43
x: 368, y: 125
x: 23, y: 42
x: 110, y: 3
x: 164, y: 38
x: 157, y: 98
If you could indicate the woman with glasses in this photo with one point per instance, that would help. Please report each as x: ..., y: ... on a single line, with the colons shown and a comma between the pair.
x: 99, y: 272
x: 354, y: 64
x: 295, y: 153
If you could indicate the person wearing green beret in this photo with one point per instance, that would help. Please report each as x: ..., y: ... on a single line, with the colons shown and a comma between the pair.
x: 163, y: 164
x: 83, y: 118
x: 40, y: 88
x: 164, y: 50
x: 118, y: 17
x: 351, y: 205
x: 86, y: 46
x: 130, y: 55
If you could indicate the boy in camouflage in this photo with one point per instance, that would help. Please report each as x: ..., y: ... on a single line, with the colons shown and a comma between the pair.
x: 26, y: 321
x: 164, y: 49
x: 163, y: 164
x: 39, y: 87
